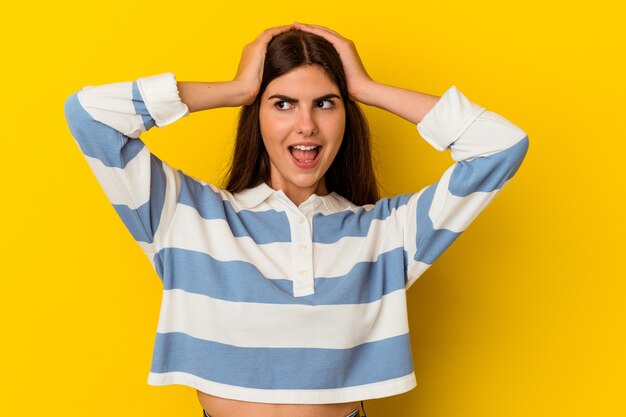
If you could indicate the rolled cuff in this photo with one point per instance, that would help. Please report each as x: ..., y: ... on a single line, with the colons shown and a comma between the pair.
x: 162, y: 99
x: 448, y: 119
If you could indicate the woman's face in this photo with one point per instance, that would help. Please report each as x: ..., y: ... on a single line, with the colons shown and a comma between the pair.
x: 302, y: 120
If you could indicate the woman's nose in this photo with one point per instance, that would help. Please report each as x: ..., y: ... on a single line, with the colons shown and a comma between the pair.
x: 306, y: 125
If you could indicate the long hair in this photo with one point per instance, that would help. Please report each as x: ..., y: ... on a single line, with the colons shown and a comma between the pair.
x: 351, y: 174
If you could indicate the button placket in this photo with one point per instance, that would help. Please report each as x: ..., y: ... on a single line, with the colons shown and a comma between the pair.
x: 301, y: 255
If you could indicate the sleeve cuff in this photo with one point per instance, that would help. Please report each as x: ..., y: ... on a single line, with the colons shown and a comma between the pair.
x: 160, y: 94
x: 448, y: 119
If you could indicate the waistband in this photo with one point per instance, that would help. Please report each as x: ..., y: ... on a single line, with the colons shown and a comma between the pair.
x: 355, y: 413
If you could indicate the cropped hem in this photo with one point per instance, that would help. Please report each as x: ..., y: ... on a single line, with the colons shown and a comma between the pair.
x: 288, y: 396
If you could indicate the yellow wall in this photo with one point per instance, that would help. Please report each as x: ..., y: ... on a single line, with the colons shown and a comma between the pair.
x: 523, y: 316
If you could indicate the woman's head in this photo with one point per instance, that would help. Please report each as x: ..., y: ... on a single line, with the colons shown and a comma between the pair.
x: 303, y: 101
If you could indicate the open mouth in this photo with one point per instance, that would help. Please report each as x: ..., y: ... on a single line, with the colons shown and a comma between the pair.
x: 305, y: 156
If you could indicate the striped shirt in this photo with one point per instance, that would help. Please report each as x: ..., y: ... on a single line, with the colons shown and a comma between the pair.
x: 266, y: 301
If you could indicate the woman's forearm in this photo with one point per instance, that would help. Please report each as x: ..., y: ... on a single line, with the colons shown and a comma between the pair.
x: 210, y: 95
x: 408, y: 104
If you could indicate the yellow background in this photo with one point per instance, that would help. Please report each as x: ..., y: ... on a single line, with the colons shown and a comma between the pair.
x: 523, y: 316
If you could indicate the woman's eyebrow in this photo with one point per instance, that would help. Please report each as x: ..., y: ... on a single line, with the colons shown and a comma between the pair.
x: 295, y: 100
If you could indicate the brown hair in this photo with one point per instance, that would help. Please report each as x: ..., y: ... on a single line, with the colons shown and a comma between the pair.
x: 351, y: 173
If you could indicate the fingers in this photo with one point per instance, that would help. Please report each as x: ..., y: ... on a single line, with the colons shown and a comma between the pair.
x: 356, y: 75
x: 317, y: 27
x: 328, y: 34
x: 267, y: 35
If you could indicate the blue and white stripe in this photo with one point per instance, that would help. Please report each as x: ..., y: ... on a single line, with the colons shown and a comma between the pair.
x: 265, y: 301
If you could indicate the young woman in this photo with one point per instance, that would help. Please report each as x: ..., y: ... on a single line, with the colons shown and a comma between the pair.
x: 284, y: 293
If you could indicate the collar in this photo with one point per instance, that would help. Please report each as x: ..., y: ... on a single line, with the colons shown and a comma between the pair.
x: 252, y: 197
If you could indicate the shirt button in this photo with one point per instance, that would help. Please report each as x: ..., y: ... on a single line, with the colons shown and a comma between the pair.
x: 300, y: 220
x: 303, y: 247
x: 303, y: 272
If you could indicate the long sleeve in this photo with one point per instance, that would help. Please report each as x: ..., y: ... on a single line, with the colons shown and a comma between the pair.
x: 106, y: 122
x: 488, y: 151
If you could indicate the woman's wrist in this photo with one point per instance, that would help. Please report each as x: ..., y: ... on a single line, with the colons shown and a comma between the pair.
x: 366, y: 93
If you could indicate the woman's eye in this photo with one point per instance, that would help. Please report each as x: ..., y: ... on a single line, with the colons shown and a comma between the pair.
x: 282, y: 105
x: 326, y: 104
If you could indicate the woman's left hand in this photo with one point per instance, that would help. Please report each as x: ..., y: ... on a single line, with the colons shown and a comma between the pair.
x: 356, y: 75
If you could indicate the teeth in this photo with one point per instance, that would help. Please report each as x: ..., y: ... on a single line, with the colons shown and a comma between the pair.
x: 305, y: 148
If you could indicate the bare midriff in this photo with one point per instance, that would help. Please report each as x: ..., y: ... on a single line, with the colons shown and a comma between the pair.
x: 224, y: 407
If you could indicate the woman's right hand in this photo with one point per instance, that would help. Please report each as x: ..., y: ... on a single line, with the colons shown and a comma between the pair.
x: 250, y: 70
x: 243, y: 89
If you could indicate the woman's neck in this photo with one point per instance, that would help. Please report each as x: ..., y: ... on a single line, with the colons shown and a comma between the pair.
x: 299, y: 195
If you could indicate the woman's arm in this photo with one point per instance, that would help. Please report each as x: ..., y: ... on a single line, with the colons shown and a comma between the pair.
x: 106, y: 122
x: 408, y: 104
x: 200, y: 96
x: 487, y: 150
